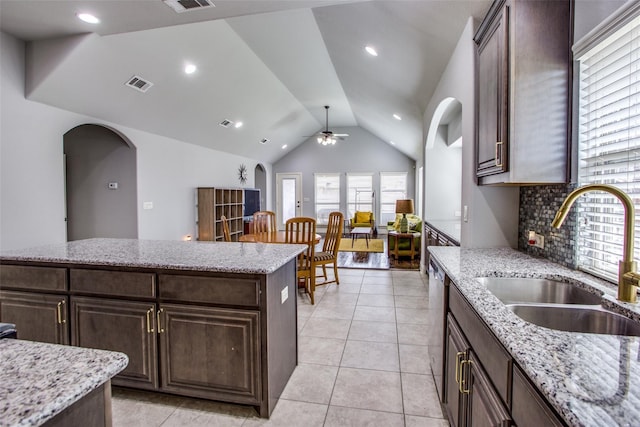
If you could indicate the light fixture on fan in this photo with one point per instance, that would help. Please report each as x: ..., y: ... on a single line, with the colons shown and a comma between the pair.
x: 326, y: 137
x: 326, y: 140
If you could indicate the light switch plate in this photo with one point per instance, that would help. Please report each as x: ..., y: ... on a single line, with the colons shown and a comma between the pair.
x: 147, y: 205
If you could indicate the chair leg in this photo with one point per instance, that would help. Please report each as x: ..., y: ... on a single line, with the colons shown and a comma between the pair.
x: 335, y: 272
x: 312, y: 286
x: 324, y: 272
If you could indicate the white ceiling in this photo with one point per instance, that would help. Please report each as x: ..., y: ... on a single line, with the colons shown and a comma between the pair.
x: 271, y: 64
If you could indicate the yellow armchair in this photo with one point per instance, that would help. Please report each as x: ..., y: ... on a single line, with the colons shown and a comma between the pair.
x: 362, y: 219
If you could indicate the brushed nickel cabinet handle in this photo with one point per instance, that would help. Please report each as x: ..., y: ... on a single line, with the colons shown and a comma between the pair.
x: 149, y: 327
x: 59, y: 313
x: 463, y: 377
x: 160, y: 328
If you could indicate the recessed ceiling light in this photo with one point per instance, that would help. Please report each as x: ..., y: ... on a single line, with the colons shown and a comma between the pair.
x: 88, y: 18
x: 392, y: 143
x: 190, y: 68
x: 397, y: 117
x: 284, y: 146
x: 238, y: 125
x: 371, y: 50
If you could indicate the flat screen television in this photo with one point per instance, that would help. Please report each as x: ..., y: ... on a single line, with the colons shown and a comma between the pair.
x: 251, y: 201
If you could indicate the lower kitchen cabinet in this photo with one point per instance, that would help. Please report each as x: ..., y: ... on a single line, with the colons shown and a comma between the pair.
x: 210, y: 352
x: 125, y: 326
x: 38, y: 317
x: 471, y: 399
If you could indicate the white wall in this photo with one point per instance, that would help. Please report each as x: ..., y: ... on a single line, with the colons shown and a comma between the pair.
x: 361, y: 152
x: 492, y: 211
x: 444, y: 186
x: 32, y: 198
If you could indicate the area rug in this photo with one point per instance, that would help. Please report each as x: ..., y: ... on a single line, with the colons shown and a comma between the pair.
x: 360, y: 245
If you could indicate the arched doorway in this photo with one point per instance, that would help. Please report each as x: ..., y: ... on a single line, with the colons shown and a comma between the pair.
x: 261, y: 184
x: 100, y: 184
x: 443, y: 163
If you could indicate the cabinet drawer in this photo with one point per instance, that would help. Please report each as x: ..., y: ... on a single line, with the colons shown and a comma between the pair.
x: 494, y: 358
x: 212, y: 290
x: 528, y: 408
x: 113, y: 283
x: 41, y: 278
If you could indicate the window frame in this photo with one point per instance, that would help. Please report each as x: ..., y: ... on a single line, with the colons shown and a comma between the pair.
x: 322, y: 219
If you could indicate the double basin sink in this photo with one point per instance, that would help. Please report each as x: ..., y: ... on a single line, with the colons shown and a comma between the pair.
x: 559, y: 305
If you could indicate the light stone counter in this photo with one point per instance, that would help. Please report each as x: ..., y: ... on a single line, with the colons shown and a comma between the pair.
x: 38, y: 380
x: 220, y: 257
x: 590, y: 379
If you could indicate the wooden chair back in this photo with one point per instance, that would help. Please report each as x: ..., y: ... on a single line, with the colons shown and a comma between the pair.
x: 264, y: 222
x: 225, y: 228
x: 334, y: 233
x: 303, y: 230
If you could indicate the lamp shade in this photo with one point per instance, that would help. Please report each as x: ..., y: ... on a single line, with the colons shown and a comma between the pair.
x: 404, y: 206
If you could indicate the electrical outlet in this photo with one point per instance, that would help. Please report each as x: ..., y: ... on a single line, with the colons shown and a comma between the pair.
x: 539, y: 241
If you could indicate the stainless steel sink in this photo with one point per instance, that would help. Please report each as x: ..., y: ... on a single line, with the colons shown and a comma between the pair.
x: 593, y: 319
x: 511, y: 290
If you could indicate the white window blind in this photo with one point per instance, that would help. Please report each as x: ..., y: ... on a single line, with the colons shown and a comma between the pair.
x: 359, y: 193
x: 609, y: 145
x: 393, y: 186
x: 327, y: 196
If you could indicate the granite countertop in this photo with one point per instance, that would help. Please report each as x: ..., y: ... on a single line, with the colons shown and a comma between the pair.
x: 590, y: 379
x: 224, y: 257
x: 39, y: 380
x: 450, y: 228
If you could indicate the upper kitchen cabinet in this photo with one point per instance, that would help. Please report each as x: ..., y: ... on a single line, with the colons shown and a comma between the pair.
x: 523, y: 92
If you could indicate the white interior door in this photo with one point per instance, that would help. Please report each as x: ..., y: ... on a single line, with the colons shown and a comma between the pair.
x: 288, y: 197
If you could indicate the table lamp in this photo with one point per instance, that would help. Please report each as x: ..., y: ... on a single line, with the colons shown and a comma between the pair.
x: 404, y: 207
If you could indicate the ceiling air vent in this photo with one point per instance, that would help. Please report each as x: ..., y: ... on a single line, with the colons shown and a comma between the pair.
x: 186, y: 5
x: 264, y: 141
x: 138, y: 83
x: 225, y: 123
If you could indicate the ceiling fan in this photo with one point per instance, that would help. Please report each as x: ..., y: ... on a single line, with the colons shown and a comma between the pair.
x: 326, y: 137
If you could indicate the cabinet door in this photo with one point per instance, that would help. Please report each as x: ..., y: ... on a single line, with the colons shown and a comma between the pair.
x: 38, y: 317
x: 210, y: 352
x: 455, y: 352
x: 128, y: 327
x: 493, y: 95
x: 484, y: 407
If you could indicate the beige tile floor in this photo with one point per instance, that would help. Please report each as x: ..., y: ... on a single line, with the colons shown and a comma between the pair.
x: 362, y: 362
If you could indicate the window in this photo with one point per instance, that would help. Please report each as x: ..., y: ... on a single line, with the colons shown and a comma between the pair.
x: 608, y: 141
x: 393, y: 186
x: 359, y: 193
x: 327, y: 196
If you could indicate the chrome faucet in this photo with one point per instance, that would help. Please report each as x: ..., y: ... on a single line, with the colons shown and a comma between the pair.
x: 628, y: 278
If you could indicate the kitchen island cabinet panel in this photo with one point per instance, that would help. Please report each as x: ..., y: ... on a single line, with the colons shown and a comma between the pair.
x: 210, y: 290
x: 38, y: 317
x: 33, y: 278
x: 210, y: 352
x: 113, y: 283
x: 124, y: 326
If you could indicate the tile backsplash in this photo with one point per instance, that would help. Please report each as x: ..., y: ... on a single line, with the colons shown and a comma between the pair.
x: 538, y: 207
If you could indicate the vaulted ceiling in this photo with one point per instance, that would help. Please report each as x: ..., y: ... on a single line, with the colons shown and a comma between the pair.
x: 272, y: 65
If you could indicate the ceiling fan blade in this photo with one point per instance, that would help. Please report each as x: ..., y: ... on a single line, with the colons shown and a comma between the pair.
x: 340, y: 134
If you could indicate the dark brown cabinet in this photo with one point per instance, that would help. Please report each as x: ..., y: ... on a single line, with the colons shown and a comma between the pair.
x: 493, y: 90
x: 471, y: 398
x: 38, y: 317
x: 523, y: 92
x: 125, y: 326
x: 210, y: 352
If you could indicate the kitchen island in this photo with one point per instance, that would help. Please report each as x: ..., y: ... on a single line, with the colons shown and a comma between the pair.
x: 587, y: 379
x: 211, y: 320
x: 54, y: 384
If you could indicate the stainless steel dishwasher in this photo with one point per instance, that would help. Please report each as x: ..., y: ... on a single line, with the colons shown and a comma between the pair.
x: 438, y: 300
